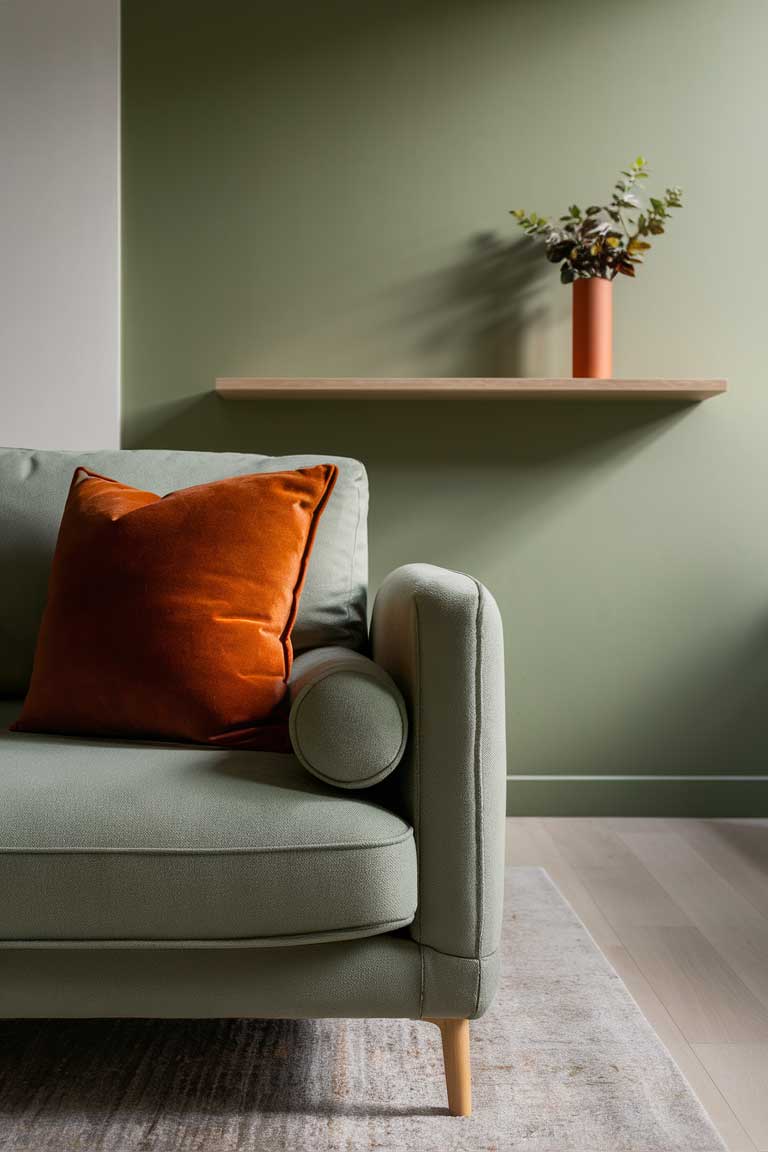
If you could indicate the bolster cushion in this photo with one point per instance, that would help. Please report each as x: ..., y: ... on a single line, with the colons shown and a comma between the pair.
x: 348, y: 723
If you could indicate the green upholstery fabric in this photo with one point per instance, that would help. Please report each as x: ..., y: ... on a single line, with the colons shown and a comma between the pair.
x: 34, y: 485
x: 379, y: 976
x: 106, y: 841
x: 348, y: 721
x: 161, y: 880
x: 439, y: 634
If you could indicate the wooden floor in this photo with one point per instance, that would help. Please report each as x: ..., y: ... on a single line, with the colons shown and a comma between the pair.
x: 680, y: 908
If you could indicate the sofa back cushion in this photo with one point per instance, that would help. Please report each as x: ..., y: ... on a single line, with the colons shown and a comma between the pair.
x: 33, y: 490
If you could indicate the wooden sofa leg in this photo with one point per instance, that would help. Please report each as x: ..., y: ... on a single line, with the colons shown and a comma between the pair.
x: 458, y: 1074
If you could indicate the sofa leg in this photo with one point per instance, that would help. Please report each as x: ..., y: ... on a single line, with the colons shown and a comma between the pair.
x: 458, y: 1074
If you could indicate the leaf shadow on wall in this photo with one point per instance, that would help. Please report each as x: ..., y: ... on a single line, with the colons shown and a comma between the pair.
x: 483, y: 310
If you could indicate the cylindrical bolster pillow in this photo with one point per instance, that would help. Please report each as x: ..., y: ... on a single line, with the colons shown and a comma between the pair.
x: 348, y: 722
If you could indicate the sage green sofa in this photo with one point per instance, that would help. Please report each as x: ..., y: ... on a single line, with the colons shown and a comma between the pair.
x: 160, y: 880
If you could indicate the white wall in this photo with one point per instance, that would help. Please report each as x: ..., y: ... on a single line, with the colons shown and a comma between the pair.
x: 59, y: 223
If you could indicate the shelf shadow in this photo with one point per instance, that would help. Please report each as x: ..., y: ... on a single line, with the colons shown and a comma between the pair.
x: 422, y: 431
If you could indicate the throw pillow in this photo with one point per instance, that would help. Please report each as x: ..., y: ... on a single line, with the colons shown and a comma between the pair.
x: 170, y: 617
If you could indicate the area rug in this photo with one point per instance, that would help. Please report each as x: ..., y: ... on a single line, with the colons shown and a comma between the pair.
x: 563, y: 1062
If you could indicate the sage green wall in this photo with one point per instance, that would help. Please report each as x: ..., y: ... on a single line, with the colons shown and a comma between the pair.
x: 302, y: 185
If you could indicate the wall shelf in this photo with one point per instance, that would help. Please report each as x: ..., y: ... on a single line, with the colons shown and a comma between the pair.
x: 376, y: 388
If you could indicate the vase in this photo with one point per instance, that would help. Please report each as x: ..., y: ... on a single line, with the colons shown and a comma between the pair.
x: 593, y: 328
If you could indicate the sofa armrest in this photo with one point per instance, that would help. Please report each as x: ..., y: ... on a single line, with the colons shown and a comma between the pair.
x: 439, y: 634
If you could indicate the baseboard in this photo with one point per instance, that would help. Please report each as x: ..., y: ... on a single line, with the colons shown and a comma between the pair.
x: 637, y: 796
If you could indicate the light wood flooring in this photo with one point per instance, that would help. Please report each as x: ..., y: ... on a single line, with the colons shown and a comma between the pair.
x: 680, y: 908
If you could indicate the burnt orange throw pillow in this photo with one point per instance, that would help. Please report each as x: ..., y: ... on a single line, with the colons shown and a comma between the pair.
x: 170, y: 618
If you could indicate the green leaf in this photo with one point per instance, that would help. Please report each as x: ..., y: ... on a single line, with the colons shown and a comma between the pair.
x: 599, y: 242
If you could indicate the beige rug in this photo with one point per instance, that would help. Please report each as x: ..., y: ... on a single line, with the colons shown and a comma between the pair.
x: 563, y: 1062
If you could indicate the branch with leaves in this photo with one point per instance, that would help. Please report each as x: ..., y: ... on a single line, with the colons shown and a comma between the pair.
x: 604, y: 240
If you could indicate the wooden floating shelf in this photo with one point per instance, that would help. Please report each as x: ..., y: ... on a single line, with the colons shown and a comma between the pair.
x: 377, y: 388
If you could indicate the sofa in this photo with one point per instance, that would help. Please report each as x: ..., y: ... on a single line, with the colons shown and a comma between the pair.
x: 165, y: 880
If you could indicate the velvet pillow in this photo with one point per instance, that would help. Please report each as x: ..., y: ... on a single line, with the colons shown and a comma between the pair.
x: 170, y: 618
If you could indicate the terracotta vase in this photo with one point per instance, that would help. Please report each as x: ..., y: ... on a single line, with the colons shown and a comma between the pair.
x: 593, y: 328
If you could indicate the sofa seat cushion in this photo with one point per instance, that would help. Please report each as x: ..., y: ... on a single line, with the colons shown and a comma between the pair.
x: 150, y: 843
